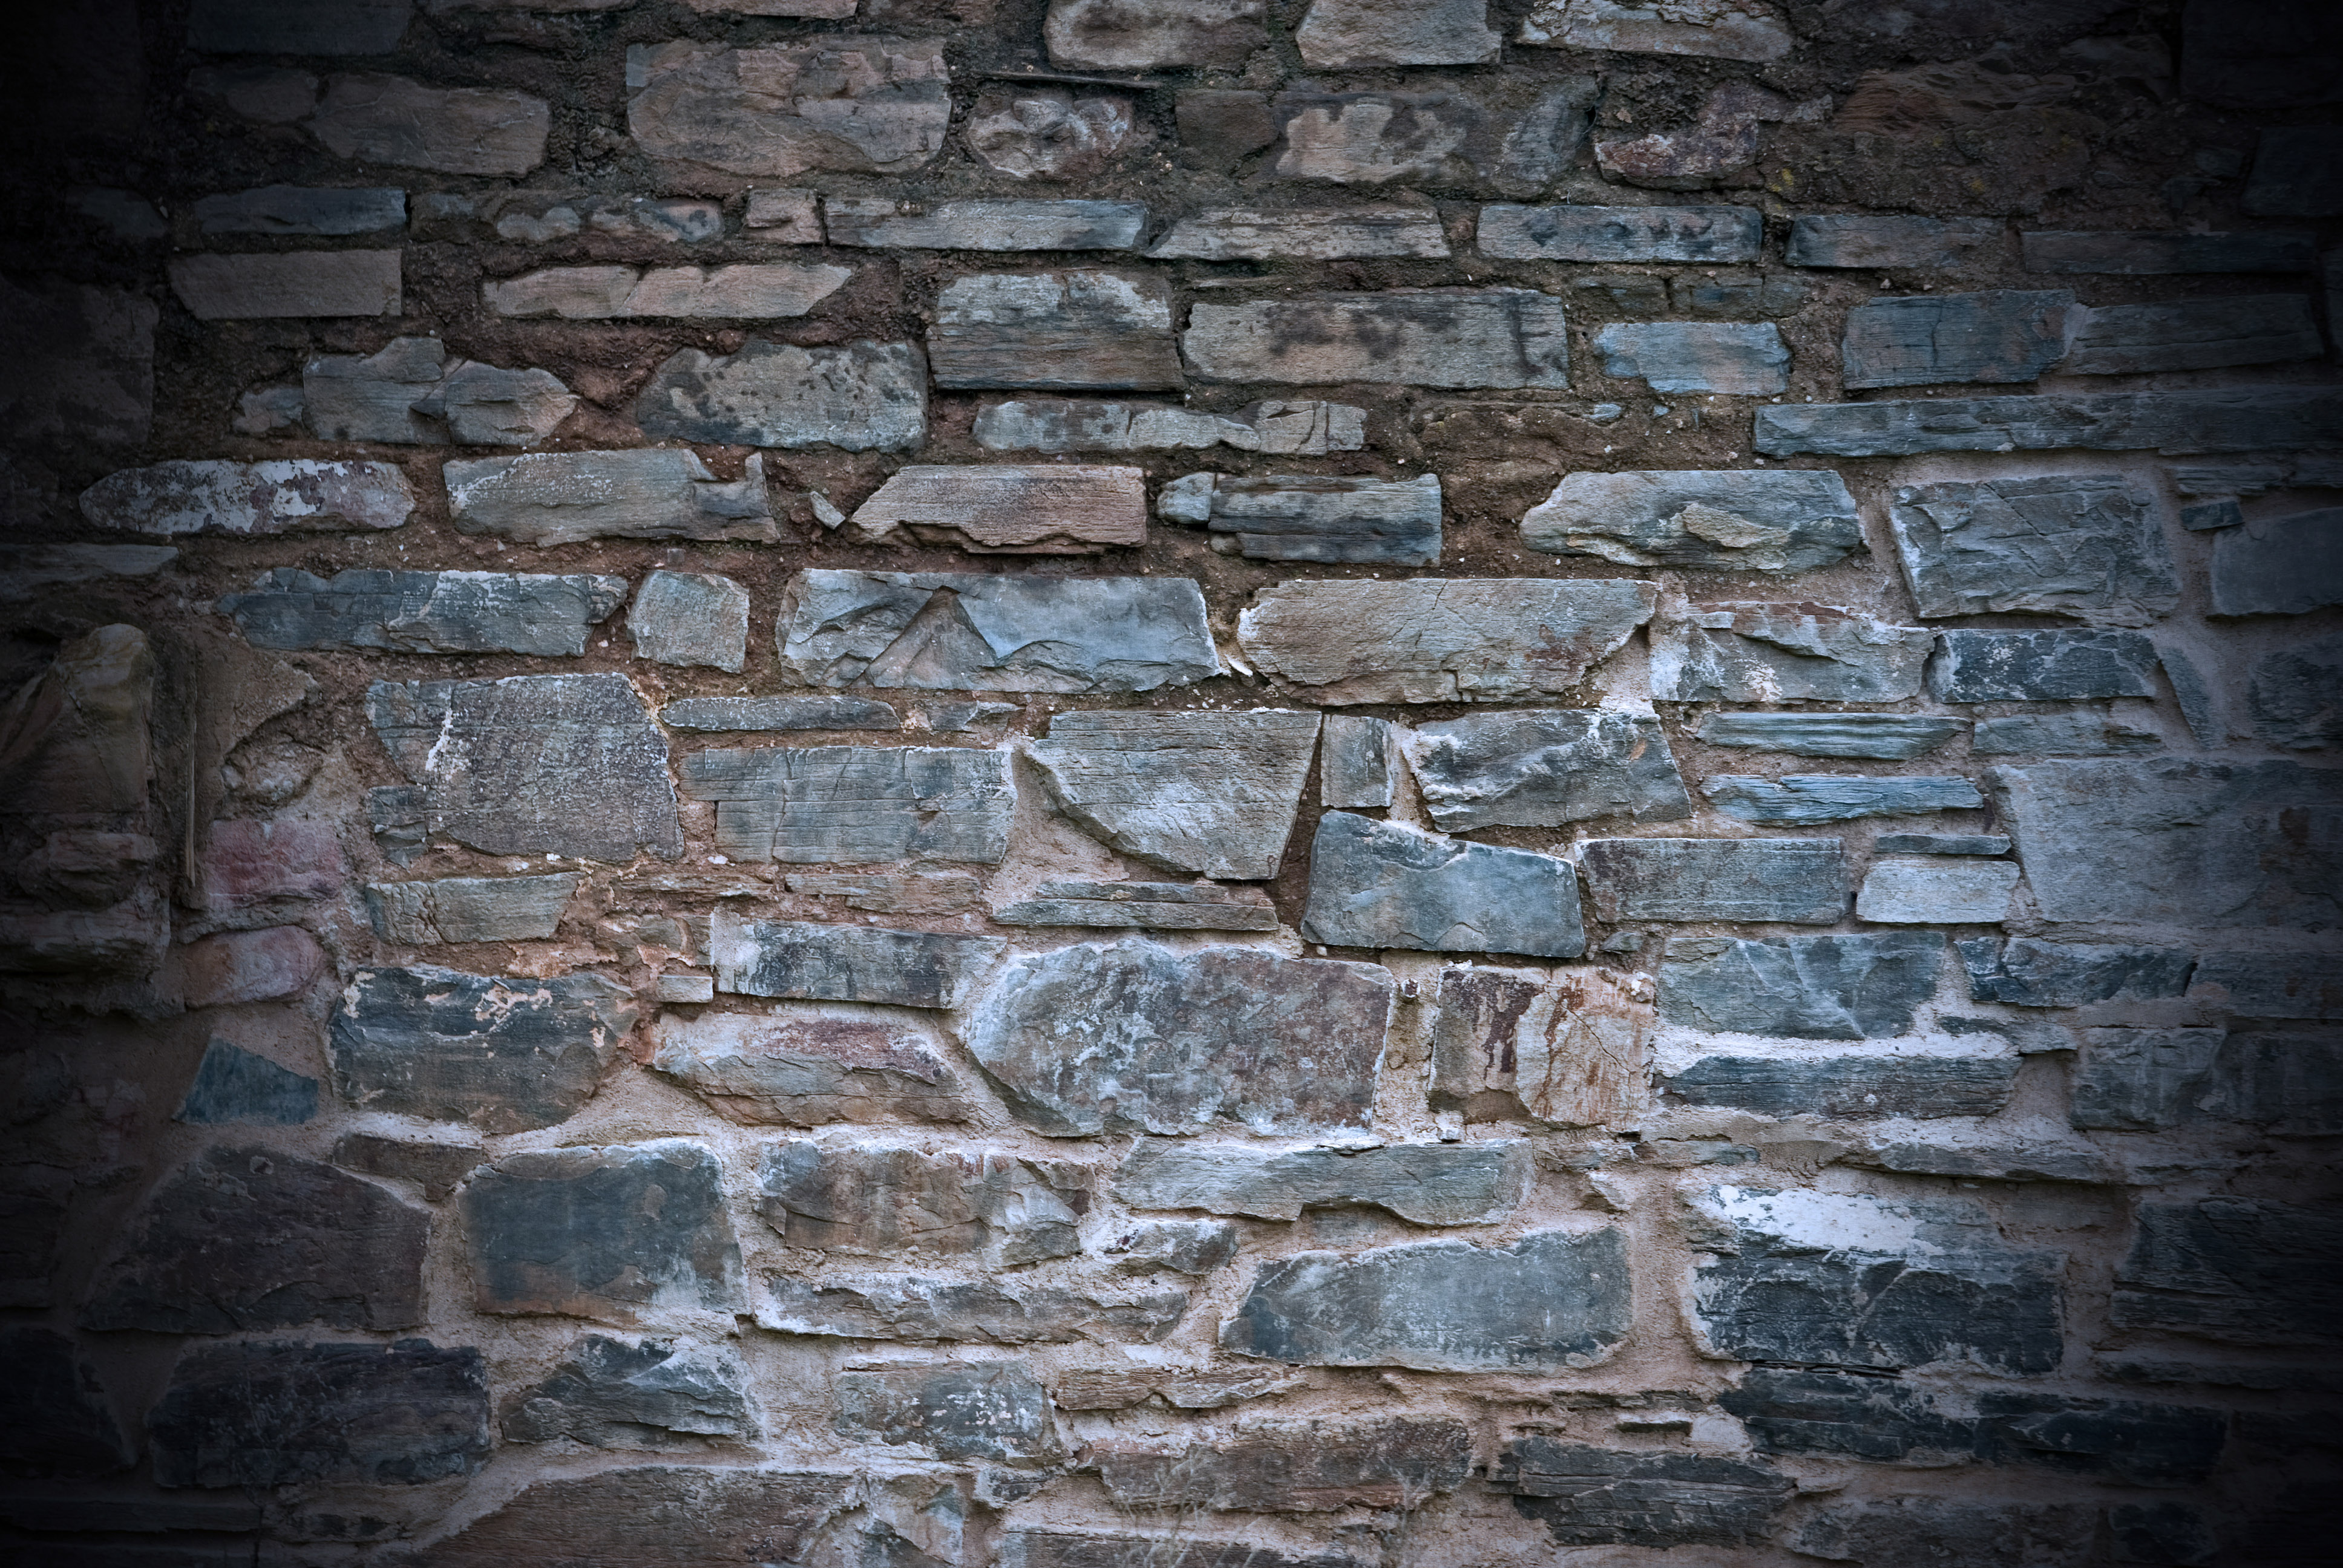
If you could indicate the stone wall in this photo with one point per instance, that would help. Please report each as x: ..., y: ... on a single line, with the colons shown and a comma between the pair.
x: 1189, y: 783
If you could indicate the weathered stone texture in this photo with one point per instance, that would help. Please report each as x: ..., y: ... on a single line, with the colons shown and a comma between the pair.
x: 1349, y: 33
x: 1713, y: 29
x: 2026, y: 971
x: 838, y: 103
x: 2086, y: 546
x: 2002, y: 334
x: 1567, y: 1046
x: 1957, y: 1533
x: 983, y: 1410
x: 755, y: 713
x: 1420, y: 336
x: 407, y: 392
x: 1543, y: 767
x: 1917, y: 1086
x: 917, y: 1307
x: 2293, y: 697
x: 233, y: 1085
x: 437, y: 1168
x: 1631, y: 234
x: 1784, y: 653
x: 2156, y: 1080
x: 846, y: 963
x: 649, y: 493
x: 263, y: 286
x: 1856, y: 240
x: 1248, y: 234
x: 1214, y: 794
x: 236, y: 967
x: 1863, y: 986
x: 274, y: 27
x: 690, y: 618
x: 1800, y: 881
x: 1032, y: 132
x: 1937, y: 892
x: 805, y: 1067
x: 1089, y: 1038
x: 2246, y: 419
x: 1697, y: 357
x: 879, y: 223
x: 1588, y: 1496
x: 888, y: 1199
x: 456, y: 131
x: 425, y: 612
x: 2263, y: 982
x: 2084, y: 734
x: 606, y: 1394
x: 1149, y: 35
x: 1804, y: 799
x: 859, y: 397
x: 852, y: 805
x: 2193, y: 335
x: 1314, y: 517
x: 298, y: 494
x: 1303, y: 429
x: 1895, y: 737
x: 748, y: 290
x: 1425, y: 1183
x: 1358, y: 761
x: 605, y: 1234
x: 1399, y: 1462
x: 1387, y: 885
x: 2298, y: 173
x: 2041, y: 665
x: 2279, y: 566
x: 2258, y: 1273
x: 1143, y: 906
x: 1050, y: 1549
x: 658, y: 1516
x: 1053, y: 331
x: 1730, y: 520
x: 1004, y: 508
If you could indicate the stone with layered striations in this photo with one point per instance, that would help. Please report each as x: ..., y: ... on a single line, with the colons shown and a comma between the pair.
x: 882, y: 1200
x: 2000, y: 334
x: 1936, y: 891
x: 1252, y: 234
x: 1799, y: 881
x: 1358, y: 762
x: 1541, y: 767
x: 646, y: 493
x: 1515, y: 135
x: 1631, y: 233
x: 1804, y: 799
x: 838, y: 103
x: 809, y: 1066
x: 922, y: 1306
x: 655, y: 1395
x: 1568, y: 1047
x: 2026, y: 971
x: 1313, y: 516
x: 1283, y: 430
x: 1053, y: 331
x: 1149, y: 35
x: 881, y: 222
x: 1914, y: 1529
x: 1006, y: 509
x: 297, y: 209
x: 1895, y: 737
x: 1552, y: 1301
x: 2271, y: 983
x: 407, y: 392
x: 1496, y: 337
x: 690, y: 618
x: 962, y: 631
x: 458, y: 131
x: 2235, y: 1269
x: 753, y: 713
x: 1423, y: 1184
x: 236, y: 967
x: 1210, y: 793
x: 982, y: 1410
x: 2192, y: 335
x: 2084, y: 250
x: 1903, y: 244
x: 543, y: 216
x: 852, y: 805
x: 2242, y: 419
x: 1590, y: 1496
x: 846, y: 963
x: 658, y: 1512
x: 2082, y: 545
x: 425, y: 612
x: 1922, y: 1086
x: 1142, y: 906
x: 1387, y: 885
x: 859, y: 397
x: 1741, y: 358
x: 1134, y: 1036
x: 281, y: 495
x: 2289, y: 565
x: 604, y: 1234
x: 438, y: 1168
x: 2083, y: 734
x: 1351, y: 33
x: 1784, y: 653
x: 1397, y: 1462
x: 2293, y: 696
x: 233, y: 1085
x: 2041, y: 665
x: 745, y: 290
x: 1863, y: 987
x: 470, y: 909
x: 263, y: 286
x: 1729, y: 520
x: 1028, y: 131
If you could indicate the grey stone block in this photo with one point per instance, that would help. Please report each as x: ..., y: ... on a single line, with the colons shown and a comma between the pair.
x: 2057, y: 250
x: 2293, y: 696
x: 1301, y: 428
x: 1358, y: 762
x: 1738, y: 296
x: 882, y: 223
x: 985, y: 1410
x: 547, y: 214
x: 2238, y: 420
x: 744, y: 291
x: 297, y: 495
x: 1848, y: 1280
x: 805, y: 1067
x: 884, y: 893
x: 1863, y: 987
x: 996, y: 633
x: 690, y: 618
x: 2190, y: 843
x: 470, y: 909
x: 1181, y: 1246
x: 1134, y: 1036
x: 1429, y: 639
x: 1351, y: 33
x: 437, y: 1168
x: 691, y: 1515
x: 1551, y: 1301
x: 2298, y: 173
x: 1956, y: 1534
x: 460, y: 131
x: 1936, y: 891
x: 1423, y: 1184
x: 1005, y: 508
x: 233, y: 1085
x: 834, y: 102
x: 2206, y: 516
x: 1725, y: 519
x: 1744, y: 359
x: 2084, y: 545
x: 1849, y: 1087
x: 2193, y: 335
x: 607, y: 1234
x: 269, y: 1413
x: 1720, y: 33
x: 1631, y: 234
x: 1568, y: 1047
x: 1590, y: 1496
x: 1418, y: 336
x: 1897, y: 736
x: 1050, y: 1549
x: 2233, y: 1269
x: 2033, y: 1152
x: 2261, y: 983
x: 248, y: 1239
x: 502, y: 1053
x: 1902, y: 243
x: 2279, y: 566
x: 846, y: 963
x: 1785, y: 653
x: 1105, y: 35
x: 60, y: 1420
x: 850, y: 805
x: 1053, y: 331
x: 920, y: 1307
x: 646, y: 493
x: 29, y: 573
x: 409, y: 392
x: 2156, y: 1080
x: 1512, y: 135
x: 2025, y: 971
x: 1544, y: 767
x: 1029, y: 131
x: 2041, y: 665
x: 297, y: 210
x: 1314, y: 517
x: 425, y: 612
x: 1804, y: 799
x: 1143, y: 906
x: 2000, y: 334
x: 881, y: 1199
x: 1387, y: 885
x: 592, y: 780
x: 1248, y: 234
x: 2059, y: 735
x: 2200, y: 708
x: 1801, y: 880
x: 275, y: 287
x: 655, y: 1395
x: 859, y: 397
x: 1210, y: 793
x: 1395, y: 1463
x: 751, y: 713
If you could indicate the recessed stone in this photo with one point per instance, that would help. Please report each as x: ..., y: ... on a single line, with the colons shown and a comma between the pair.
x: 233, y: 1085
x: 2090, y: 250
x: 1252, y: 234
x: 1849, y: 1087
x: 2193, y: 335
x: 269, y: 287
x: 1301, y: 428
x: 1710, y: 29
x: 755, y: 713
x: 2026, y: 971
x: 1902, y: 243
x: 744, y: 291
x: 1143, y: 906
x: 690, y: 618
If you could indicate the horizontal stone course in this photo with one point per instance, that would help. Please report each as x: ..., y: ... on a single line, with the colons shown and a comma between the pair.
x: 1628, y: 234
x: 1863, y: 987
x: 2246, y: 419
x: 1461, y: 337
x: 272, y: 285
x: 1427, y: 1185
x: 1801, y: 880
x: 1728, y: 519
x: 1387, y: 885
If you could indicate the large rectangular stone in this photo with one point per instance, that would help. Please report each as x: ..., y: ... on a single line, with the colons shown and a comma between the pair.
x: 1211, y: 793
x: 2001, y: 334
x: 1865, y: 986
x: 745, y: 290
x: 2083, y: 545
x: 543, y: 215
x: 1634, y: 233
x: 984, y: 1410
x: 879, y: 223
x: 2158, y: 1079
x: 1920, y: 1086
x: 1249, y: 234
x: 263, y: 1414
x: 1937, y: 892
x: 281, y: 495
x: 1314, y: 517
x: 425, y: 612
x: 1417, y: 337
x: 1898, y: 243
x: 454, y: 130
x: 1053, y: 331
x: 1474, y: 639
x: 1303, y: 429
x: 1422, y: 1183
x: 2260, y: 982
x: 1805, y: 800
x: 1905, y: 1529
x: 1316, y: 1468
x: 2091, y: 250
x: 658, y: 1516
x: 1543, y: 767
x: 1714, y: 520
x: 406, y: 391
x: 1354, y: 33
x: 297, y: 210
x: 470, y: 909
x: 852, y: 805
x: 2241, y: 419
x: 216, y: 287
x: 1375, y: 884
x: 846, y: 963
x: 2192, y: 335
x: 2258, y: 1272
x: 1018, y: 1312
x: 2026, y: 971
x: 644, y: 493
x: 1567, y: 1046
x: 608, y: 1233
x: 2290, y: 696
x: 859, y: 397
x: 604, y: 1393
x: 2079, y: 734
x: 754, y: 713
x: 2287, y: 565
x: 1785, y: 653
x: 809, y: 1066
x: 885, y: 1199
x: 838, y: 102
x: 1803, y: 881
x: 1591, y: 1496
x: 1742, y: 358
x: 2041, y: 665
x: 1007, y: 509
x: 1895, y: 737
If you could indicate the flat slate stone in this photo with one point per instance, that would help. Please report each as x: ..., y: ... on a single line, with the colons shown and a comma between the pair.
x: 888, y: 893
x: 2082, y: 545
x: 545, y: 215
x: 1415, y: 337
x: 1742, y: 358
x: 591, y: 779
x: 502, y: 1053
x: 1358, y: 761
x: 2041, y: 665
x: 606, y: 1394
x: 921, y: 1307
x: 1183, y: 1247
x: 605, y: 1234
x: 2287, y: 565
x: 1301, y: 428
x: 846, y: 963
x: 470, y: 909
x: 658, y: 1516
x: 271, y: 1413
x: 1252, y: 234
x: 2089, y: 250
x: 2193, y: 335
x: 890, y: 1199
x: 1213, y: 794
x: 242, y: 1240
x: 646, y: 493
x: 1349, y: 33
x: 1728, y: 519
x: 690, y: 619
x: 1849, y: 1087
x: 2026, y: 971
x: 1053, y: 332
x: 852, y: 805
x: 2292, y: 697
x: 407, y: 392
x: 1143, y: 906
x: 1514, y: 136
x: 1377, y: 884
x: 425, y: 612
x: 297, y: 210
x: 994, y: 633
x: 1085, y: 1039
x: 1912, y: 1529
x: 986, y: 1410
x: 1785, y: 653
x: 1903, y: 244
x: 2298, y: 173
x: 809, y: 1066
x: 837, y: 102
x: 1631, y: 233
x: 283, y: 496
x: 881, y: 222
x: 300, y: 283
x: 1543, y: 767
x: 1552, y: 1301
x: 1009, y: 508
x: 1731, y: 31
x: 2286, y: 1084
x: 1314, y: 517
x: 1149, y: 35
x: 1315, y: 1468
x: 2233, y: 1269
x: 859, y: 397
x: 233, y: 1085
x: 1429, y: 639
x: 1568, y: 1047
x: 2082, y: 734
x: 747, y: 290
x: 1936, y: 891
x: 1999, y: 334
x: 372, y: 119
x: 1029, y: 131
x: 751, y: 713
x: 1423, y: 1184
x: 60, y: 1420
x: 2271, y: 983
x: 1801, y: 880
x: 1941, y: 844
x: 1894, y: 736
x: 1804, y: 799
x: 2239, y: 419
x: 1590, y: 1496
x: 1863, y: 987
x: 1849, y: 1280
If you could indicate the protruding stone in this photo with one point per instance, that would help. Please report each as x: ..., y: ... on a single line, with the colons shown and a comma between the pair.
x: 846, y: 963
x: 2000, y: 334
x: 1423, y: 1184
x: 1901, y: 243
x: 1033, y: 132
x: 1358, y: 762
x: 1214, y: 794
x: 470, y: 909
x: 233, y: 1085
x: 890, y: 1201
x: 1514, y: 135
x: 1745, y: 359
x: 983, y: 632
x: 2053, y: 250
x: 1004, y: 508
x: 1843, y: 1087
x: 690, y: 618
x: 1552, y: 1301
x: 1149, y: 35
x: 1314, y: 517
x: 59, y: 1420
x: 839, y: 102
x: 1417, y: 337
x: 458, y: 131
x: 1088, y: 1038
x: 2292, y: 697
x: 1590, y: 1496
x: 1180, y: 1246
x: 745, y: 290
x: 1784, y: 653
x: 2287, y: 565
x: 1143, y: 906
x: 2238, y: 420
x: 605, y: 1234
x: 504, y: 1054
x: 2083, y: 545
x: 425, y: 612
x: 2081, y: 734
x: 1387, y: 885
x: 1848, y: 1280
x: 1711, y: 29
x: 407, y: 392
x: 755, y: 713
x: 295, y: 283
x: 283, y: 496
x: 606, y: 1394
x: 1912, y: 1529
x: 1283, y: 430
x: 853, y: 805
x: 2041, y: 665
x: 921, y: 1307
x: 1567, y: 1046
x: 647, y: 493
x: 2026, y: 971
x: 807, y: 1066
x: 1053, y: 331
x: 1863, y: 987
x: 1296, y: 1468
x: 1801, y: 880
x: 1804, y: 799
x: 685, y: 1515
x: 859, y: 397
x: 2192, y: 335
x: 1730, y: 520
x: 1428, y: 639
x: 1895, y: 737
x: 881, y: 222
x: 982, y: 1410
x: 1250, y: 234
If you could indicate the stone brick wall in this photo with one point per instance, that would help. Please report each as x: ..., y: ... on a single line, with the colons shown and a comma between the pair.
x: 1172, y: 783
